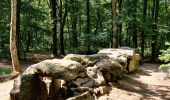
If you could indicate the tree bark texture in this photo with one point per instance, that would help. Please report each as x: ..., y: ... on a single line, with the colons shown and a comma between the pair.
x: 88, y: 25
x: 13, y: 30
x: 54, y: 26
x: 114, y: 25
x: 143, y: 31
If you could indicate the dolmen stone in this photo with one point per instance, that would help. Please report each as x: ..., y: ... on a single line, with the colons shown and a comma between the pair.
x: 75, y: 77
x: 30, y: 85
x: 127, y: 56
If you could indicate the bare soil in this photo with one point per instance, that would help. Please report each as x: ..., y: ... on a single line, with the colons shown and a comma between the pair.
x: 146, y: 84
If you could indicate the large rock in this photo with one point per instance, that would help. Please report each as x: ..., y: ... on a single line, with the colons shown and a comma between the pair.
x: 86, y: 60
x: 96, y: 64
x: 31, y: 87
x: 110, y: 69
x: 60, y: 69
x: 83, y: 59
x: 95, y: 74
x: 80, y: 75
x: 125, y: 55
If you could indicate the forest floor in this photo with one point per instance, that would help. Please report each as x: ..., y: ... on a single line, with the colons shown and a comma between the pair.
x: 146, y: 84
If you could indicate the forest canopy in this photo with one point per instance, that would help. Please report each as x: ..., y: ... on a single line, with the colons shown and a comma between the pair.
x: 75, y: 26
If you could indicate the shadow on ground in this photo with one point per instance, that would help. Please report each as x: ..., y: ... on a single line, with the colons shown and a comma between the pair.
x: 131, y: 84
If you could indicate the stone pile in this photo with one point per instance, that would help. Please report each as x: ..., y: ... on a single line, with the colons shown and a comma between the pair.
x: 75, y: 77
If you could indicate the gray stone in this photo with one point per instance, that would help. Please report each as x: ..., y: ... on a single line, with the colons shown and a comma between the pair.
x: 96, y: 75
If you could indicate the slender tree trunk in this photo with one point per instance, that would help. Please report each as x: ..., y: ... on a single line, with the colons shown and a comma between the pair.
x: 120, y: 23
x: 127, y: 33
x: 114, y: 25
x: 134, y: 23
x: 155, y: 31
x: 96, y: 23
x: 69, y: 35
x: 62, y: 24
x: 129, y: 24
x: 143, y: 31
x: 74, y: 25
x: 13, y: 30
x: 88, y: 25
x: 29, y: 41
x: 18, y: 27
x: 54, y: 26
x: 61, y: 31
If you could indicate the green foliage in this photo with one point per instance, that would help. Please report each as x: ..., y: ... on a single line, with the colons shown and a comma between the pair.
x: 4, y: 53
x: 165, y: 68
x: 35, y: 26
x: 165, y: 56
x: 4, y: 71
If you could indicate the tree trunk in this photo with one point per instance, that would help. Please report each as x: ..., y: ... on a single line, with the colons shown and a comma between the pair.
x: 74, y: 25
x: 88, y: 26
x: 155, y: 31
x: 62, y: 24
x: 114, y: 25
x: 134, y: 24
x: 54, y: 26
x: 13, y: 30
x: 18, y: 27
x: 143, y: 31
x: 120, y: 23
x: 61, y: 31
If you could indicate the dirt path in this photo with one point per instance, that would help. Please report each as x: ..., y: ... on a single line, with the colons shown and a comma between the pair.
x: 146, y: 84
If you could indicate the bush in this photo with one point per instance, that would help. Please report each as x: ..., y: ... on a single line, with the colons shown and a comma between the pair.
x: 165, y: 68
x: 165, y: 57
x: 4, y: 71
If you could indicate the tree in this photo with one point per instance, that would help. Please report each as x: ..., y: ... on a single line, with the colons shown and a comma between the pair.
x: 134, y: 23
x: 53, y: 5
x: 114, y: 25
x: 155, y: 28
x: 18, y: 27
x: 62, y: 24
x: 88, y: 25
x: 13, y: 30
x: 73, y: 16
x: 120, y: 2
x: 143, y: 31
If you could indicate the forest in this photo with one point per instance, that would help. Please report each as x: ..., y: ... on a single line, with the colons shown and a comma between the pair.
x: 74, y: 49
x: 75, y: 26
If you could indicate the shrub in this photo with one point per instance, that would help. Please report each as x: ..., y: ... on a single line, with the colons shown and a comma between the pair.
x: 165, y: 56
x: 4, y: 71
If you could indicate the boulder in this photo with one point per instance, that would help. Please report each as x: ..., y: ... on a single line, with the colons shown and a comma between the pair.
x: 127, y: 57
x: 96, y: 75
x: 86, y: 60
x: 96, y: 64
x: 30, y: 85
x: 83, y: 59
x: 110, y: 69
x: 60, y: 69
